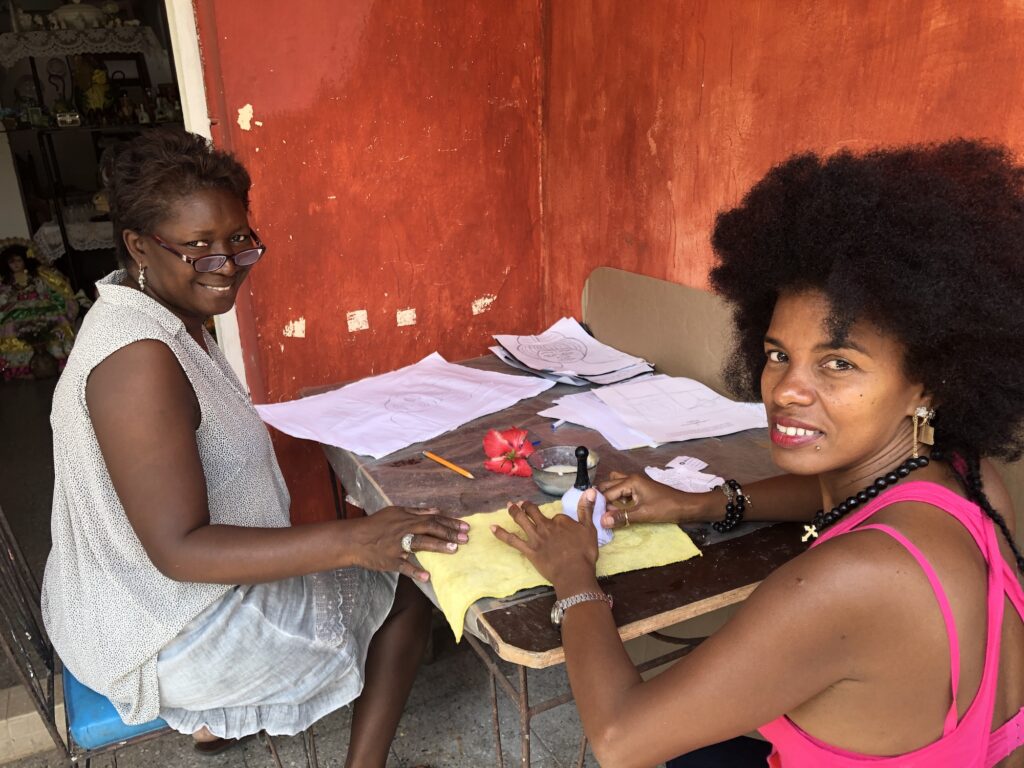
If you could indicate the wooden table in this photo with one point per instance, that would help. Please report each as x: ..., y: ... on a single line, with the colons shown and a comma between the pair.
x: 517, y: 629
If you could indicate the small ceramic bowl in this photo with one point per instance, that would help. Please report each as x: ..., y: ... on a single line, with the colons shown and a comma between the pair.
x: 554, y: 468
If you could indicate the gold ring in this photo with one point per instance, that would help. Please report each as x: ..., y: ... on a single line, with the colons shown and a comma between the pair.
x: 625, y: 516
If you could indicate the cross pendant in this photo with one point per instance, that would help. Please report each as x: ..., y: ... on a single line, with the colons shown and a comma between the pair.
x: 812, y: 533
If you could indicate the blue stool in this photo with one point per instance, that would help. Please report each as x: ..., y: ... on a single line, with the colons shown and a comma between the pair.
x: 92, y: 720
x: 93, y: 725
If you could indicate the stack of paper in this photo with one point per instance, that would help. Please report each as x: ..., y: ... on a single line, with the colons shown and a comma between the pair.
x: 670, y: 408
x: 381, y: 414
x: 657, y: 409
x: 588, y: 410
x: 569, y: 355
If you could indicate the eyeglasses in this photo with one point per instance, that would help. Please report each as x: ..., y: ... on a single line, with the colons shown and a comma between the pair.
x: 214, y: 261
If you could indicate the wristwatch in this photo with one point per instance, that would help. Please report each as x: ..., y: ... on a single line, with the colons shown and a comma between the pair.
x: 561, y: 606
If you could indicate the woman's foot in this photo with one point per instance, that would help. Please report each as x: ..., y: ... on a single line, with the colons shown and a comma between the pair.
x: 208, y: 744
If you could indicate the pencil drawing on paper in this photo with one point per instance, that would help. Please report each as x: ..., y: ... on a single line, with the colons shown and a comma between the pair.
x: 553, y: 348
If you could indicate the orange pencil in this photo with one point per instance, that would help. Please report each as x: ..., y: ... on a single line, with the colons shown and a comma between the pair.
x: 446, y: 463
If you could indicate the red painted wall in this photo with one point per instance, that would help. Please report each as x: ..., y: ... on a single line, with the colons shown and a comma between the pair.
x: 661, y: 113
x: 402, y: 149
x: 394, y: 150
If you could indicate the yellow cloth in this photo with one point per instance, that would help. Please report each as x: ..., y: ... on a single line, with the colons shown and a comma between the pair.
x: 486, y: 567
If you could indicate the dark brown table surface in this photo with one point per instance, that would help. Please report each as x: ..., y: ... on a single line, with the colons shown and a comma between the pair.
x: 648, y: 600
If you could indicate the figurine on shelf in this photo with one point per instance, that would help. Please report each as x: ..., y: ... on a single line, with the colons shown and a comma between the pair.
x: 37, y: 309
x: 25, y: 23
x: 79, y: 15
x: 125, y: 108
x: 97, y: 97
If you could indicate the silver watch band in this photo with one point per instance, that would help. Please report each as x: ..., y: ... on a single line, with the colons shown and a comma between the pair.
x: 561, y: 606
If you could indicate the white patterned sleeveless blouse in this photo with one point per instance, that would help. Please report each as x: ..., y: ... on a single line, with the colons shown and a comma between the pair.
x: 107, y: 608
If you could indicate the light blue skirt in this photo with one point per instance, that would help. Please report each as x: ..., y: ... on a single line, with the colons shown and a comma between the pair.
x: 274, y: 657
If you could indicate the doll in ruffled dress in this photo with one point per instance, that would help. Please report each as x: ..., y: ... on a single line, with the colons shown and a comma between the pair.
x: 37, y: 310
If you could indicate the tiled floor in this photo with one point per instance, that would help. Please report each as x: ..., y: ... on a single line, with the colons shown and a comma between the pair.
x: 448, y: 718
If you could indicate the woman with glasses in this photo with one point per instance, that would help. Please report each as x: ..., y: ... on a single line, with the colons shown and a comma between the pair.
x: 175, y: 586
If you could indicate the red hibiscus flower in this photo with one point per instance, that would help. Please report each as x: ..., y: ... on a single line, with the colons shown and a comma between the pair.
x: 507, y: 451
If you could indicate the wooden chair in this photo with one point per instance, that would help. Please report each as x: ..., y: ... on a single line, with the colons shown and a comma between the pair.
x: 93, y: 725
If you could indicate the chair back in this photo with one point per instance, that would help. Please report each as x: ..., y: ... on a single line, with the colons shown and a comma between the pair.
x: 22, y: 636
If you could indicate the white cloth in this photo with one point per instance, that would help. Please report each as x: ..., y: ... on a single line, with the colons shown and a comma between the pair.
x: 684, y: 474
x: 570, y: 507
x: 107, y: 608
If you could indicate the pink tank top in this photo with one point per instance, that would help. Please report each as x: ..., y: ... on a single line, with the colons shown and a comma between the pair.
x: 968, y: 743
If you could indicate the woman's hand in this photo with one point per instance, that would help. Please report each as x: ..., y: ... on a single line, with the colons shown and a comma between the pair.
x: 561, y: 549
x: 378, y: 538
x: 647, y: 501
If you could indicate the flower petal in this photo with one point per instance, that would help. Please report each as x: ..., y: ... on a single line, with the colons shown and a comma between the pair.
x: 516, y: 438
x: 495, y: 444
x: 521, y: 468
x: 499, y: 464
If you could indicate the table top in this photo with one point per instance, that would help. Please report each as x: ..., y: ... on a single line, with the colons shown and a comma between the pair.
x: 518, y: 627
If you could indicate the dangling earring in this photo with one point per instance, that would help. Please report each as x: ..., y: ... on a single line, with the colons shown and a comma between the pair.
x: 923, y: 431
x: 142, y: 278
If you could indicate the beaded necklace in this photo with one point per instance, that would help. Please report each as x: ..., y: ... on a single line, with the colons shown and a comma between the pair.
x: 823, y: 519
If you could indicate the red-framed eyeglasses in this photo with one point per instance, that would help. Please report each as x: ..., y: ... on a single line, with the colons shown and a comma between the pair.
x: 214, y: 261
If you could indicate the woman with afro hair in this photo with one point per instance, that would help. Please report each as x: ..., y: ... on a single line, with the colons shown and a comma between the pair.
x: 879, y: 314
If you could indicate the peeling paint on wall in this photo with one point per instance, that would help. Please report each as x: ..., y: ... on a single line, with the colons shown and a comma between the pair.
x: 482, y: 304
x: 357, y: 321
x: 245, y: 118
x: 406, y: 317
x: 296, y: 329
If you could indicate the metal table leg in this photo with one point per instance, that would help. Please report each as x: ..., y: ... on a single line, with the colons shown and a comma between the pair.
x: 520, y: 697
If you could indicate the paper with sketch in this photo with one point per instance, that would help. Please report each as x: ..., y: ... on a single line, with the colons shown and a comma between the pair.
x: 381, y: 414
x: 566, y: 348
x: 502, y: 354
x: 672, y: 408
x: 587, y: 410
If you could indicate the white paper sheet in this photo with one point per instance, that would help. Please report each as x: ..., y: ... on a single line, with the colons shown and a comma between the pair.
x: 587, y: 410
x: 674, y: 408
x: 381, y: 414
x: 566, y: 348
x: 502, y: 354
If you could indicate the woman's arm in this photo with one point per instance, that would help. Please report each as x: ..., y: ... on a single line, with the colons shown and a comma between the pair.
x: 803, y: 630
x: 777, y: 499
x: 145, y: 415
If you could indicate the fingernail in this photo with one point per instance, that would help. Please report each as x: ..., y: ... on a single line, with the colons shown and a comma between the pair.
x: 591, y: 494
x: 463, y: 538
x: 452, y: 546
x: 607, y: 521
x: 463, y: 526
x: 424, y: 576
x: 494, y: 528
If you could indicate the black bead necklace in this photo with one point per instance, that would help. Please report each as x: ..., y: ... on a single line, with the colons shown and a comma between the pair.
x: 823, y: 519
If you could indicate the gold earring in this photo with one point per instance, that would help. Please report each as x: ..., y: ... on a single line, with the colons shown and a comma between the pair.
x: 142, y: 278
x: 923, y: 431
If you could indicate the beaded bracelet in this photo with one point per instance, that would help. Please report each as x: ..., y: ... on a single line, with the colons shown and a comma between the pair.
x: 734, y: 507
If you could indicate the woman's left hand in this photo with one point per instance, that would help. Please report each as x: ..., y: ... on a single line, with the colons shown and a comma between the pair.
x: 559, y: 547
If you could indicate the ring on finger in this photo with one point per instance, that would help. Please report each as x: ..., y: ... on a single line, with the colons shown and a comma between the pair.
x: 407, y: 543
x: 625, y: 516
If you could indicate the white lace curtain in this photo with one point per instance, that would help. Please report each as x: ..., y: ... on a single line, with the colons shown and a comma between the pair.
x: 15, y: 46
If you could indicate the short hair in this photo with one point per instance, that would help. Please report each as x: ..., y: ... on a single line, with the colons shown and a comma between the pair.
x: 925, y: 242
x: 145, y: 177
